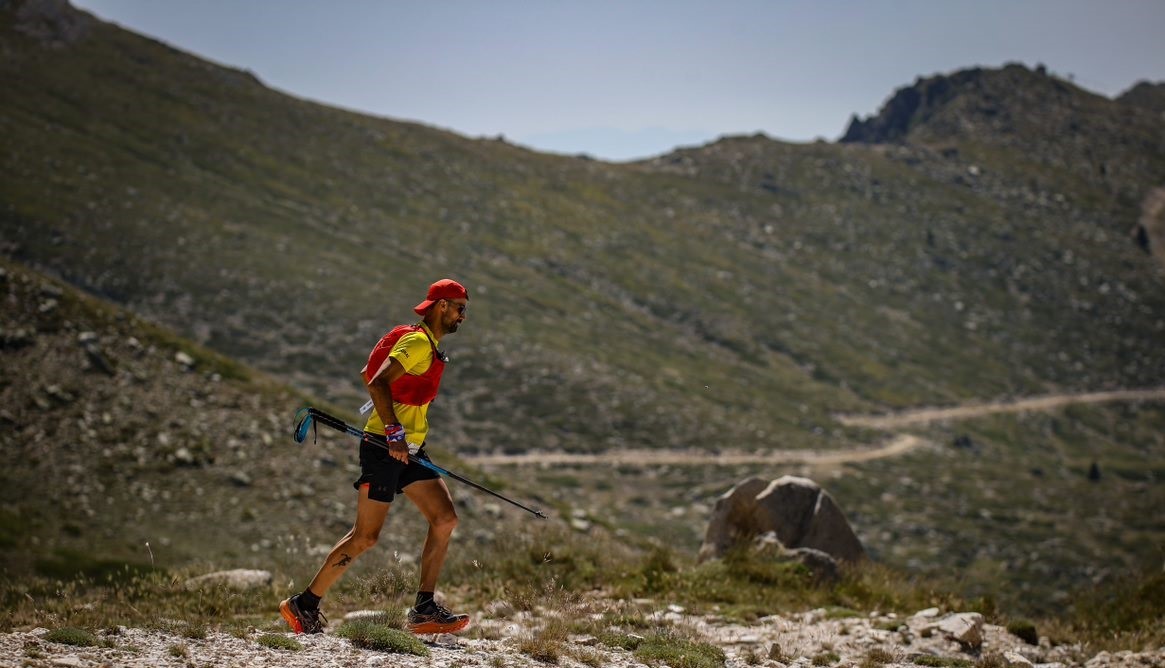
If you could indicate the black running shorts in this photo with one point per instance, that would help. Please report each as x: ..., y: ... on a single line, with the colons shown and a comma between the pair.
x: 386, y: 477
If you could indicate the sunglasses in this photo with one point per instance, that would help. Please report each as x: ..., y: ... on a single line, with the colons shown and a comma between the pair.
x: 460, y: 307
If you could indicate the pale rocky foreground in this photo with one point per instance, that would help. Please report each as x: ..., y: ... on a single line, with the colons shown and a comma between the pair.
x: 777, y: 641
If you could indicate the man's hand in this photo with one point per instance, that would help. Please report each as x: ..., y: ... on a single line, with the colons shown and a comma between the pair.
x: 397, y: 448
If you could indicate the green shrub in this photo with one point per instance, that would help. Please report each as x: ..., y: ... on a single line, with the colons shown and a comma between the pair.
x: 826, y: 659
x: 671, y: 648
x: 72, y: 636
x: 278, y: 641
x: 877, y: 657
x: 1024, y: 630
x: 547, y: 643
x: 370, y: 634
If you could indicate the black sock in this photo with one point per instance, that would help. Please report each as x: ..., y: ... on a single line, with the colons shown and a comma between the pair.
x: 308, y: 600
x: 423, y: 599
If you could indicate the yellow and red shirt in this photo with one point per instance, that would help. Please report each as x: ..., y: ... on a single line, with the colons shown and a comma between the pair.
x: 415, y: 348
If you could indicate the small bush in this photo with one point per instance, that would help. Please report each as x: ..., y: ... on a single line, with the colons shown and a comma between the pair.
x: 673, y: 649
x: 277, y: 641
x: 72, y: 636
x: 826, y: 659
x: 195, y: 631
x: 178, y: 651
x: 877, y: 657
x: 587, y: 656
x: 627, y: 641
x: 369, y: 634
x: 1024, y: 630
x: 545, y: 644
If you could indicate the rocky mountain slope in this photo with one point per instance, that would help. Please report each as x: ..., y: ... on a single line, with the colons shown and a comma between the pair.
x: 974, y: 245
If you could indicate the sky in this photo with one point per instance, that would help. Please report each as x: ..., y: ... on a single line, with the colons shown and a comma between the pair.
x: 622, y: 80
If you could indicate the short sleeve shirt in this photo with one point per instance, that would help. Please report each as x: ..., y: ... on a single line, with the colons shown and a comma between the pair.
x: 415, y: 354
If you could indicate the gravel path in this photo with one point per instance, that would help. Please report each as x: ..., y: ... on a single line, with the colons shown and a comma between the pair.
x: 928, y: 415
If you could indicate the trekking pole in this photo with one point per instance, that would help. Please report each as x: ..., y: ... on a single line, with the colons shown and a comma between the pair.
x: 306, y: 418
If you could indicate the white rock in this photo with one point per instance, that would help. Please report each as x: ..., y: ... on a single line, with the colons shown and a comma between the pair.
x: 965, y: 627
x: 929, y: 613
x: 184, y: 359
x: 239, y: 579
x: 1016, y: 660
x: 362, y: 614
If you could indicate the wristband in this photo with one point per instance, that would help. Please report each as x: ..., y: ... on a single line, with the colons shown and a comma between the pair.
x: 394, y: 433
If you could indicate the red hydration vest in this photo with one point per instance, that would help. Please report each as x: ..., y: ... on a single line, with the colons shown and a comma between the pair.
x: 408, y: 389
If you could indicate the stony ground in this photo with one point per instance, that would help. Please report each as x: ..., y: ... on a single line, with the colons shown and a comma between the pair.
x: 801, y: 640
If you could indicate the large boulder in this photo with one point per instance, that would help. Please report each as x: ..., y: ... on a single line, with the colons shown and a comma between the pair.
x: 730, y: 522
x: 796, y: 510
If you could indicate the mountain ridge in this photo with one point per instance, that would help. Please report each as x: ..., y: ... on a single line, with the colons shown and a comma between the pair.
x: 737, y: 295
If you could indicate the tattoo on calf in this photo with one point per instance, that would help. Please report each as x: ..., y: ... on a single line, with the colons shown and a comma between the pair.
x: 344, y: 561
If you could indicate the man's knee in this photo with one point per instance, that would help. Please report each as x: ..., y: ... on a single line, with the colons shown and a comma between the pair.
x: 445, y: 522
x: 360, y: 542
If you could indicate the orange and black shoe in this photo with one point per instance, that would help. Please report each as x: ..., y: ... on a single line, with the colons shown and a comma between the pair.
x: 299, y: 619
x: 433, y: 618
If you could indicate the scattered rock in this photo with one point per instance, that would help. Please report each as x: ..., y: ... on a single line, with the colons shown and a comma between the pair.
x: 1016, y: 660
x: 183, y: 457
x: 965, y: 628
x: 239, y: 579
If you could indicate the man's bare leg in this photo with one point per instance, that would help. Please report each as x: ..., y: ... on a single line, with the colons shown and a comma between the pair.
x: 370, y: 516
x: 432, y: 498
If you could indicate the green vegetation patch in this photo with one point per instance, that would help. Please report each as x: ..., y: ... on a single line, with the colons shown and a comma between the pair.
x: 373, y: 634
x: 1132, y: 606
x: 71, y: 635
x: 1025, y: 630
x: 67, y: 564
x: 671, y: 648
x: 826, y: 659
x: 877, y: 657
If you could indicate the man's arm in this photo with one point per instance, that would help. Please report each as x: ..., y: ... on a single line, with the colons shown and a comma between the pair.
x: 380, y: 390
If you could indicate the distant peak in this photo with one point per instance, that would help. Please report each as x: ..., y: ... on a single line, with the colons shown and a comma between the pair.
x: 49, y: 21
x: 1146, y: 95
x: 913, y: 106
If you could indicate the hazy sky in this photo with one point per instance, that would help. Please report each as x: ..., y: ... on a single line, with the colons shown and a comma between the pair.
x: 628, y: 79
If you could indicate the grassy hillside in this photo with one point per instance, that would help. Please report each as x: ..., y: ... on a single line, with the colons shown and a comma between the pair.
x: 736, y: 295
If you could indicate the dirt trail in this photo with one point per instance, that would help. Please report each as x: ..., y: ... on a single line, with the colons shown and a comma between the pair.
x: 896, y: 446
x: 927, y: 415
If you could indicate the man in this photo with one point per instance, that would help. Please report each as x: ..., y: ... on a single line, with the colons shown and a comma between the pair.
x: 402, y: 376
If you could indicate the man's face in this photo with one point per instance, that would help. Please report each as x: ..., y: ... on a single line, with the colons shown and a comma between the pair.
x: 454, y: 314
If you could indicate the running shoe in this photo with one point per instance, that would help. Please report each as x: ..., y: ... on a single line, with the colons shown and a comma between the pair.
x: 301, y: 620
x: 434, y: 618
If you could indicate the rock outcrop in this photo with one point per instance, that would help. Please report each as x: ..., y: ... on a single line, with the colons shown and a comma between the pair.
x: 796, y: 510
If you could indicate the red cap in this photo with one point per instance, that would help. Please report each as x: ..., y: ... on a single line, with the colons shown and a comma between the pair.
x: 446, y: 288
